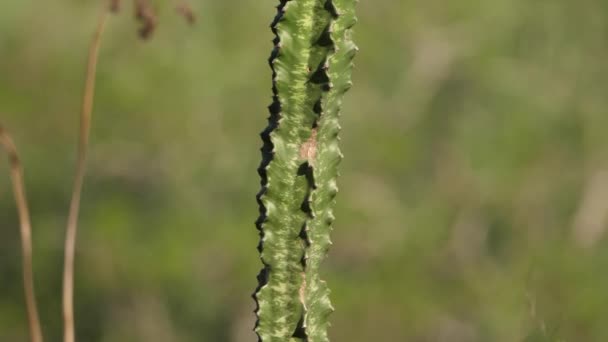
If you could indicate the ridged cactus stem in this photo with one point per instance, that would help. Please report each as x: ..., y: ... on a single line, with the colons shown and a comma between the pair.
x: 311, y: 64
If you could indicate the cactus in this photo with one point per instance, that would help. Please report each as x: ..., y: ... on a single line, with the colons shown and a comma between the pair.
x: 311, y: 63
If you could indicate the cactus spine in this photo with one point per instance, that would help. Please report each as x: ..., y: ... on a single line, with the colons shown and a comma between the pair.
x: 311, y: 63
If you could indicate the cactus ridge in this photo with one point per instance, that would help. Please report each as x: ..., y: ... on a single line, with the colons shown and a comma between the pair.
x: 311, y: 64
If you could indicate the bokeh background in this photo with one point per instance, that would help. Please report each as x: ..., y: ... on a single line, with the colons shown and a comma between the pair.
x: 474, y: 192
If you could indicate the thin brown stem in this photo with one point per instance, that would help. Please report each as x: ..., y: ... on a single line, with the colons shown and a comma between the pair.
x: 26, y: 234
x: 72, y: 225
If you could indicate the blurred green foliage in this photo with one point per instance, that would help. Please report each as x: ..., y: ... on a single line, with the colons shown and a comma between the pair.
x: 474, y: 192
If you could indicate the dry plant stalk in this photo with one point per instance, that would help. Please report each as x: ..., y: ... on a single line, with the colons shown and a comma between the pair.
x: 26, y: 234
x: 144, y: 12
x: 85, y: 125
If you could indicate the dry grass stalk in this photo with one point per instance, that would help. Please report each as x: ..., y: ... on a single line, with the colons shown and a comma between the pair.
x: 85, y: 125
x: 147, y: 16
x: 26, y: 234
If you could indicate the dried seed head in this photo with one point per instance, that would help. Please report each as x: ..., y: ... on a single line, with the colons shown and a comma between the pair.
x: 114, y: 6
x: 146, y: 15
x: 184, y: 9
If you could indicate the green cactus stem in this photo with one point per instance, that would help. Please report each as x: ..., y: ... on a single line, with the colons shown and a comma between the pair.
x: 311, y: 63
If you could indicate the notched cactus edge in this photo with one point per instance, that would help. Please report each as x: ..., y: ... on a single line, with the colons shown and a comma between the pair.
x: 311, y: 64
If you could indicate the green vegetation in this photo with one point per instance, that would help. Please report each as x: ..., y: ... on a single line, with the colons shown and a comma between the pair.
x: 472, y: 184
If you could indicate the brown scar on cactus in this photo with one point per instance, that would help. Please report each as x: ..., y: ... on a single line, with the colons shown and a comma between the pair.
x: 302, y: 292
x: 308, y: 150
